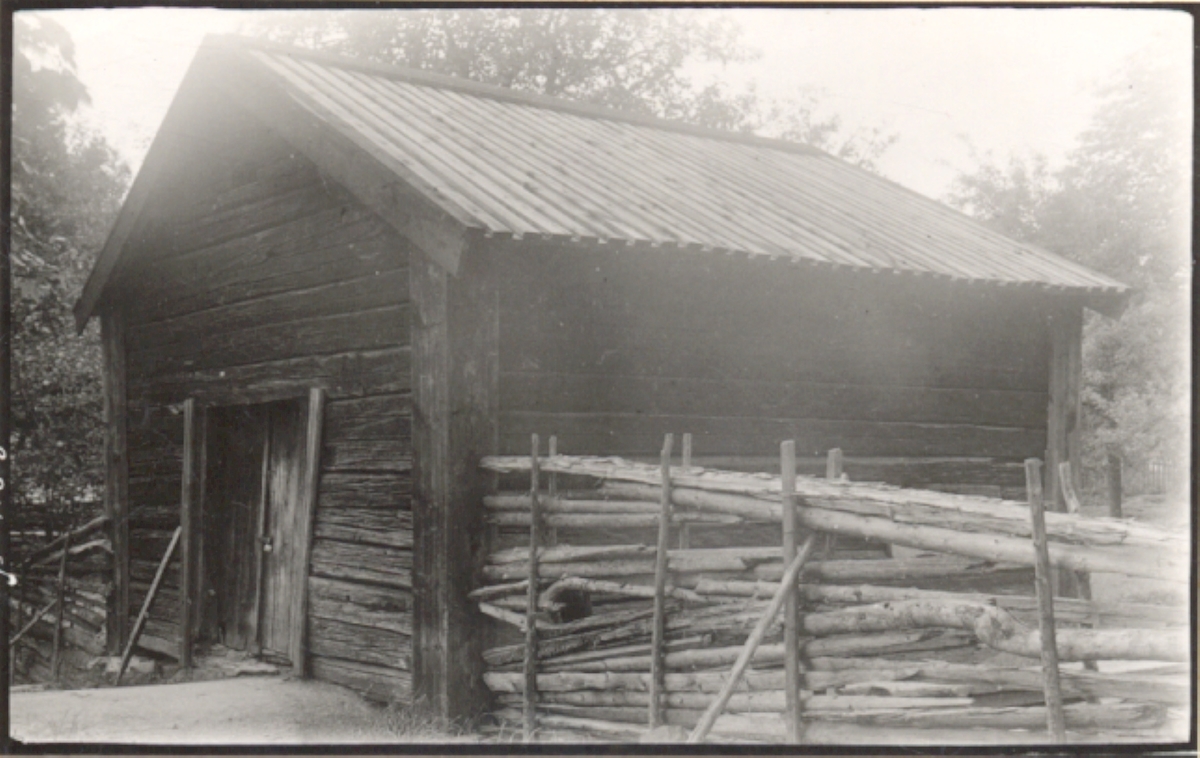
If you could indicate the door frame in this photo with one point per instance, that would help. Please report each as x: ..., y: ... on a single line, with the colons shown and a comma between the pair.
x: 192, y: 505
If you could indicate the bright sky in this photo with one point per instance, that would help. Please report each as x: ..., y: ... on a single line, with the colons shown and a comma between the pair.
x: 1003, y: 81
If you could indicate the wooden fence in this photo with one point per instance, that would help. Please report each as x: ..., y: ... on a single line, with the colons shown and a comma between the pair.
x: 59, y: 604
x: 643, y: 585
x: 1154, y: 477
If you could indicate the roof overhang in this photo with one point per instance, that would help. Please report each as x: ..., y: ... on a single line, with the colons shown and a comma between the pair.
x: 237, y: 73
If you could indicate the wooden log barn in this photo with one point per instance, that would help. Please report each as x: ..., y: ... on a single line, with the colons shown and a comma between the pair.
x: 335, y: 286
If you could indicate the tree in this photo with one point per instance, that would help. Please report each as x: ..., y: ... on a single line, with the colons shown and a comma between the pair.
x: 628, y: 59
x: 1119, y: 204
x: 66, y: 188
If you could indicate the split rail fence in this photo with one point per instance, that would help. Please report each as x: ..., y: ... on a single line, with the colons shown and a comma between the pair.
x: 59, y: 603
x: 699, y: 628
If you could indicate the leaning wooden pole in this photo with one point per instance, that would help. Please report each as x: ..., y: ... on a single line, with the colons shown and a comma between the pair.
x: 32, y: 622
x: 531, y: 640
x: 148, y: 602
x: 658, y: 633
x: 713, y: 712
x: 1055, y: 719
x: 791, y: 620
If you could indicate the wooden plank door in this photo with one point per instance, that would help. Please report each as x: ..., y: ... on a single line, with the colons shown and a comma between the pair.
x: 284, y: 472
x: 233, y: 500
x: 292, y: 465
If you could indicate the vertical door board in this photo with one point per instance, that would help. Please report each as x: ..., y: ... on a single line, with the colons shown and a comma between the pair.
x: 305, y: 513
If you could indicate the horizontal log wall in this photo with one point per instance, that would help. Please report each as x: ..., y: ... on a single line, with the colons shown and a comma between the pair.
x: 608, y: 349
x: 267, y: 283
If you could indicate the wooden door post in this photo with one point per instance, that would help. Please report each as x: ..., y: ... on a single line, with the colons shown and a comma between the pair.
x: 306, y: 513
x: 116, y: 474
x: 455, y: 376
x: 190, y: 502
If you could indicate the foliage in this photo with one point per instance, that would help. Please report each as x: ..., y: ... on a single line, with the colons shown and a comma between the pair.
x: 636, y: 60
x: 66, y: 188
x: 800, y: 120
x: 1120, y: 205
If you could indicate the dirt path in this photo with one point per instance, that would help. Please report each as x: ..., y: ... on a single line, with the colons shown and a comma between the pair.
x: 242, y: 711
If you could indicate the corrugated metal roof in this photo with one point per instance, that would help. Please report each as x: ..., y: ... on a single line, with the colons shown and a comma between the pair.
x: 513, y: 165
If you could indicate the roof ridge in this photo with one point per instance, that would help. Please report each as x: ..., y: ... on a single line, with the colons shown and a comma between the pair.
x: 505, y: 94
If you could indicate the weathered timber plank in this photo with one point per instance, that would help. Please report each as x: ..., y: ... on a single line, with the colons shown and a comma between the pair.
x: 399, y: 622
x: 368, y: 455
x: 642, y: 317
x: 341, y: 375
x: 687, y: 396
x: 153, y: 516
x: 117, y: 468
x: 270, y: 179
x: 247, y: 218
x: 634, y: 434
x: 659, y: 289
x: 363, y: 596
x: 166, y: 600
x: 376, y: 290
x: 355, y: 164
x: 373, y: 329
x: 366, y: 644
x: 149, y: 460
x: 365, y: 490
x: 151, y: 544
x: 455, y: 399
x: 142, y: 572
x: 326, y: 247
x: 369, y: 526
x: 901, y: 471
x: 592, y: 349
x: 384, y: 566
x: 377, y: 683
x: 380, y: 417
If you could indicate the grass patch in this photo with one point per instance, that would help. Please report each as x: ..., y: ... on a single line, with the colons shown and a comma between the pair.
x: 419, y: 722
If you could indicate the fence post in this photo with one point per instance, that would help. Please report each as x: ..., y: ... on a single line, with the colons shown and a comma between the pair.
x: 790, y: 576
x: 552, y: 491
x: 1055, y: 720
x: 685, y: 529
x: 531, y: 640
x: 791, y: 610
x: 1115, y: 487
x: 658, y: 635
x: 833, y: 472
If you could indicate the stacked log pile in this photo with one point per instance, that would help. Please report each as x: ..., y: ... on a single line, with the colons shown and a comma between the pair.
x: 894, y: 651
x: 74, y: 569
